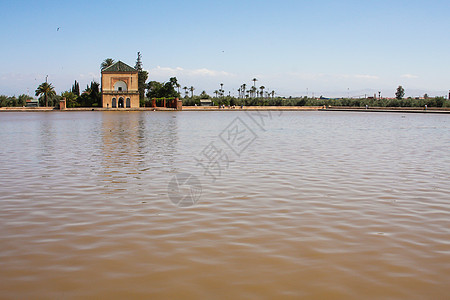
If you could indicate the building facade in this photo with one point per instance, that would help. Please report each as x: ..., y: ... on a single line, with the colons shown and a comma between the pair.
x: 120, y: 86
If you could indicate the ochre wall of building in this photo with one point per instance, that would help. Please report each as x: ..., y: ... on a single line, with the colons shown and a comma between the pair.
x: 108, y: 93
x: 134, y: 100
x: 109, y: 79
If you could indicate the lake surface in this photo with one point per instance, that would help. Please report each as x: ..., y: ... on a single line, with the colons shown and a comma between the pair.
x: 224, y: 205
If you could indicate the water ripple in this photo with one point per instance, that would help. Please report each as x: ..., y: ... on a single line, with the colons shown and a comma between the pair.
x: 321, y: 205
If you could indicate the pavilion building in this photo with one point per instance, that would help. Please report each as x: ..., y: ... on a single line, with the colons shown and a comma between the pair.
x: 120, y: 86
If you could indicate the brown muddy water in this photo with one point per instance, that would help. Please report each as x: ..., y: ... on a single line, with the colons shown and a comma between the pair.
x: 224, y: 205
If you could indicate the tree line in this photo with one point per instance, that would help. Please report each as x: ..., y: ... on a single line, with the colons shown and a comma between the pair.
x: 306, y: 101
x: 47, y: 97
x: 91, y: 96
x: 20, y: 101
x: 248, y: 96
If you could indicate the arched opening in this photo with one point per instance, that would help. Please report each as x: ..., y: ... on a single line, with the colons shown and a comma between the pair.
x: 113, y: 103
x: 120, y: 102
x: 128, y: 103
x: 120, y: 86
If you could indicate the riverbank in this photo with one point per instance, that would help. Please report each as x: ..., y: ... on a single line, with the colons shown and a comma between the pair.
x: 440, y: 110
x: 231, y: 108
x: 433, y: 110
x: 50, y: 109
x: 359, y: 201
x: 185, y: 108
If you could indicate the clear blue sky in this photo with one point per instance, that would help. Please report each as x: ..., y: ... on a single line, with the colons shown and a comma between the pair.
x: 330, y: 48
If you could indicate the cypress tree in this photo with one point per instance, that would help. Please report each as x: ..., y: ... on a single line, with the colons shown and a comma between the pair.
x: 142, y: 76
x: 76, y: 88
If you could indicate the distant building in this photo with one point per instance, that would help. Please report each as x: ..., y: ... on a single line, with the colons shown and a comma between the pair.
x: 120, y: 86
x: 32, y: 103
x: 205, y: 102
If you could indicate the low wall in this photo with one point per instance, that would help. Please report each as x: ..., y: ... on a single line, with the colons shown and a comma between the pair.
x: 28, y: 108
x: 387, y: 108
x: 216, y: 108
x: 230, y: 108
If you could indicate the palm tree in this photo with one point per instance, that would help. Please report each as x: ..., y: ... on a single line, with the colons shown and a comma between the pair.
x: 254, y: 82
x: 186, y: 93
x: 192, y: 91
x: 106, y: 63
x: 273, y: 94
x: 216, y: 92
x: 71, y: 98
x: 262, y: 90
x: 47, y: 90
x: 253, y: 91
x: 243, y: 86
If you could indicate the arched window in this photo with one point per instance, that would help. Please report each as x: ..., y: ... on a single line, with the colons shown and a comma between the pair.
x: 120, y: 86
x: 120, y: 104
x: 113, y: 104
x: 128, y: 103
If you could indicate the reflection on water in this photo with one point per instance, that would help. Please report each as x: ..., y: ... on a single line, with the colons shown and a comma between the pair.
x: 319, y: 205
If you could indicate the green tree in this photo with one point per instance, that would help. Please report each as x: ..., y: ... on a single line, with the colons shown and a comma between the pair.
x: 95, y: 95
x: 254, y: 82
x: 439, y: 101
x: 12, y: 101
x: 191, y: 89
x: 171, y: 86
x: 173, y: 81
x: 157, y: 89
x: 204, y: 95
x: 243, y: 87
x: 400, y: 93
x: 76, y: 88
x: 262, y: 90
x: 22, y: 100
x: 91, y: 96
x: 47, y: 90
x: 253, y: 91
x: 138, y: 65
x: 154, y: 89
x: 106, y: 63
x: 71, y: 98
x: 142, y: 76
x: 3, y: 101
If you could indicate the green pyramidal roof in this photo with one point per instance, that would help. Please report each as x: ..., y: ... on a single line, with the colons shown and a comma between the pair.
x: 119, y: 67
